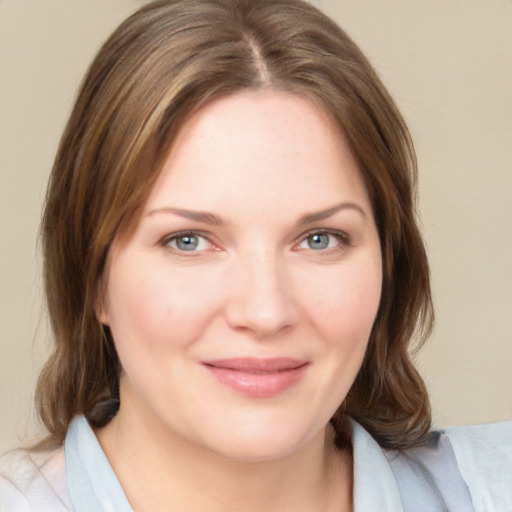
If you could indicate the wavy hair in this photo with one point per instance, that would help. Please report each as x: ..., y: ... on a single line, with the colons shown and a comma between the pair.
x: 159, y: 66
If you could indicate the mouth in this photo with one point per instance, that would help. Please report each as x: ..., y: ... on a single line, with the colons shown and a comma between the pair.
x: 256, y: 377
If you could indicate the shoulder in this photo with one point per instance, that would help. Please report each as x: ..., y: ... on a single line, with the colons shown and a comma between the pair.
x: 33, y: 480
x: 484, y: 458
x: 462, y: 468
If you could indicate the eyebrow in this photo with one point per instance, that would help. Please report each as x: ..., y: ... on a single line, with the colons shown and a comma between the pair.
x: 199, y: 216
x: 310, y: 218
x: 215, y: 220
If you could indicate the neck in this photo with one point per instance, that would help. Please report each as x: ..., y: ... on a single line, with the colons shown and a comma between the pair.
x: 161, y: 471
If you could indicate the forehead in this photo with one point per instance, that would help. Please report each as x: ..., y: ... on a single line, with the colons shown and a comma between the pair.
x: 258, y: 146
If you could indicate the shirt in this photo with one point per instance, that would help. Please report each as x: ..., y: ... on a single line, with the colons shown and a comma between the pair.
x: 464, y: 469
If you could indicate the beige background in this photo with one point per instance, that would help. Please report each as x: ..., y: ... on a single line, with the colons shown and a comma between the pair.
x: 448, y: 65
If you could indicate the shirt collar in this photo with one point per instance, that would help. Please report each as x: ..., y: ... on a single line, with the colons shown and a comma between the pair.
x: 93, y: 484
x: 375, y: 487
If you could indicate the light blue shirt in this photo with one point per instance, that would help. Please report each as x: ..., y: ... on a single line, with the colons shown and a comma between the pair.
x: 470, y: 467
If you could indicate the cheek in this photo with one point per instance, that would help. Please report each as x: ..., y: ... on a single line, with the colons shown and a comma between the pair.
x: 345, y: 307
x: 153, y: 308
x: 137, y: 307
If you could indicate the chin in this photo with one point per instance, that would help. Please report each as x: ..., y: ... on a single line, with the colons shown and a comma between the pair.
x: 250, y: 450
x: 260, y: 441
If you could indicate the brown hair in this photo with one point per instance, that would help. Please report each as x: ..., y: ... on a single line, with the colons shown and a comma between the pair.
x: 159, y: 66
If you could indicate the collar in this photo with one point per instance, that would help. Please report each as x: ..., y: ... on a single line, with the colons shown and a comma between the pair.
x: 93, y: 484
x: 375, y: 486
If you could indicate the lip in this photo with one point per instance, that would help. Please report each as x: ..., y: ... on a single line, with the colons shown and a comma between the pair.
x: 257, y: 377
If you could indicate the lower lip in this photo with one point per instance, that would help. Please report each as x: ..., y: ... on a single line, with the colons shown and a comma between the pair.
x: 258, y: 385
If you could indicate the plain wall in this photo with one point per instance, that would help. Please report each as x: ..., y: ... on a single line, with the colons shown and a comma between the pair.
x: 448, y: 66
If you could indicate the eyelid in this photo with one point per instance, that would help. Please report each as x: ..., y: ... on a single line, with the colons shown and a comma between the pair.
x: 344, y: 238
x: 167, y: 239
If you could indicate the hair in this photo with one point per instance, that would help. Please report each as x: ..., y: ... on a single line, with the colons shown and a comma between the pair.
x: 159, y: 66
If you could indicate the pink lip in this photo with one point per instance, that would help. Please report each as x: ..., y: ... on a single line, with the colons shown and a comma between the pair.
x: 257, y: 377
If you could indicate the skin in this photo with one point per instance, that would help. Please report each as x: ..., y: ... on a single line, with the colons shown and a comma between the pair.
x: 258, y: 283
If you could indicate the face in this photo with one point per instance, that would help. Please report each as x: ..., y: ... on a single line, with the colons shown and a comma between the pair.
x: 242, y: 305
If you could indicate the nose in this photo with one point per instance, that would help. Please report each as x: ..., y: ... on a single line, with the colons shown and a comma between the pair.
x: 260, y: 300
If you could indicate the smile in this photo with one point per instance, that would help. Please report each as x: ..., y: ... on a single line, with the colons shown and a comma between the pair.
x: 257, y: 377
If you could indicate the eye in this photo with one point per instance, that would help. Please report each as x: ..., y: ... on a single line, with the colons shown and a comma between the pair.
x: 322, y: 240
x: 187, y: 242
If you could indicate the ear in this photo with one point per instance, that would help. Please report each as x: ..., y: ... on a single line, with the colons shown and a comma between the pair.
x: 101, y: 307
x: 102, y: 314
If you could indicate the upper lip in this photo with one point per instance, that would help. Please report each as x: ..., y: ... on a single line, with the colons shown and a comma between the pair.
x: 257, y: 365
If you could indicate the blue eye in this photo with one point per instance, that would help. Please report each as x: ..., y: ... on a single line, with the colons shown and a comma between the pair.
x: 318, y: 241
x: 322, y: 240
x: 187, y: 242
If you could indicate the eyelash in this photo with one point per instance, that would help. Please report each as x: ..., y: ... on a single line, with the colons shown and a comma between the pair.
x: 343, y: 238
x: 167, y: 240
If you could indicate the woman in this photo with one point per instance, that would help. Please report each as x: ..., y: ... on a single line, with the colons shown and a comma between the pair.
x: 234, y: 275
